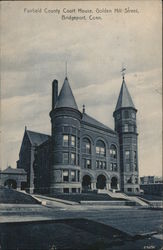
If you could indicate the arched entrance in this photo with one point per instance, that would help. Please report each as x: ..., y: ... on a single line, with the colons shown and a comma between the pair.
x: 86, y: 183
x: 114, y: 182
x: 10, y: 184
x: 101, y: 182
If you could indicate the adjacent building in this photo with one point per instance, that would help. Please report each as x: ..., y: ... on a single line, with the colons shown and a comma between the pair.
x: 82, y: 154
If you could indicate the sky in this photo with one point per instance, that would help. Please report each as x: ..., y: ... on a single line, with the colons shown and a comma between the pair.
x: 35, y: 47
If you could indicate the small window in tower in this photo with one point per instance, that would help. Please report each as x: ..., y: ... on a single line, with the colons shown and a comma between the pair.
x: 127, y: 167
x: 65, y: 175
x: 118, y: 116
x: 73, y: 141
x: 73, y: 175
x: 126, y: 114
x: 73, y: 158
x: 65, y: 140
x: 65, y: 158
x: 127, y: 154
x: 126, y: 128
x: 135, y: 167
x: 135, y: 156
x: 97, y: 164
x: 133, y: 115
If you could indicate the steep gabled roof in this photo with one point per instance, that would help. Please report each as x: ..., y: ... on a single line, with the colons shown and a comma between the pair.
x: 88, y: 119
x: 124, y: 99
x: 37, y: 138
x: 66, y: 97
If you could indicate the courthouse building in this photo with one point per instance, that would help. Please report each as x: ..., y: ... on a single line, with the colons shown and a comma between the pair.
x: 82, y: 154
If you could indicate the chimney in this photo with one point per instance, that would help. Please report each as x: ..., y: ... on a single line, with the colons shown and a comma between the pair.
x: 54, y: 93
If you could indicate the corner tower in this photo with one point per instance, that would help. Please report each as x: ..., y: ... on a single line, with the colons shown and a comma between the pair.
x: 126, y: 126
x: 65, y: 120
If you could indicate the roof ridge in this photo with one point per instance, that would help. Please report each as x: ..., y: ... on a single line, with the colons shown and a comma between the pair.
x: 100, y: 124
x: 36, y: 132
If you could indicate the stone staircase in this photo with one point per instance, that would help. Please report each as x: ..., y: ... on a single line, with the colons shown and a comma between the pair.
x: 135, y: 199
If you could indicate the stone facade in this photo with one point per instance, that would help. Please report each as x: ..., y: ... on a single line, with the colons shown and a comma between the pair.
x: 82, y: 154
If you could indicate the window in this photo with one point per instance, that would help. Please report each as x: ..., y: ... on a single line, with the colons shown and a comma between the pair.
x: 133, y: 115
x: 101, y: 164
x: 66, y: 190
x: 113, y: 167
x: 135, y: 156
x: 73, y: 158
x: 86, y: 146
x: 73, y: 141
x: 129, y: 180
x: 65, y: 175
x: 129, y: 189
x: 118, y: 116
x: 113, y: 152
x: 127, y: 154
x: 104, y: 164
x: 126, y: 114
x: 73, y: 190
x: 100, y: 148
x: 136, y: 180
x: 65, y: 140
x: 126, y: 128
x: 135, y: 167
x: 73, y: 175
x: 65, y: 158
x: 87, y: 163
x: 127, y: 167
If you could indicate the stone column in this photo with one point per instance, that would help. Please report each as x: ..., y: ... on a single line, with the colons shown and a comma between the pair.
x: 108, y: 185
x: 93, y: 185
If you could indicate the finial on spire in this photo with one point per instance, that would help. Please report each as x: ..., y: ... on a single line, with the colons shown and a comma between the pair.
x: 25, y: 127
x: 83, y: 108
x: 66, y: 69
x: 123, y: 72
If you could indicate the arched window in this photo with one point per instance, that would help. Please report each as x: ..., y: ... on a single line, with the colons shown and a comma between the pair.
x: 100, y: 148
x: 86, y: 146
x: 113, y: 152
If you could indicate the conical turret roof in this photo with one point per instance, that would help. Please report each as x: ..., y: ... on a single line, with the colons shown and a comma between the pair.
x: 124, y: 99
x: 66, y: 97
